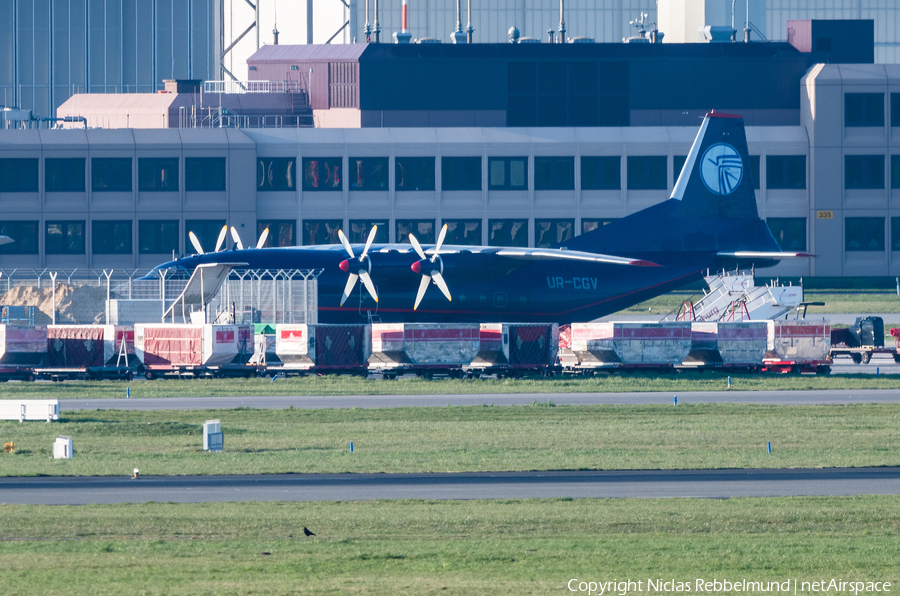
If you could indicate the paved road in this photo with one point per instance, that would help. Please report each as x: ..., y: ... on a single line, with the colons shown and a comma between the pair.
x: 486, y: 485
x: 498, y: 399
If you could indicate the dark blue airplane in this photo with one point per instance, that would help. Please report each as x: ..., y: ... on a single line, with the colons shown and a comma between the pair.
x: 709, y: 223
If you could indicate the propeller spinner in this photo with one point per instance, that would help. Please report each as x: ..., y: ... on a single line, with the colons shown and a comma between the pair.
x: 430, y: 269
x: 358, y: 267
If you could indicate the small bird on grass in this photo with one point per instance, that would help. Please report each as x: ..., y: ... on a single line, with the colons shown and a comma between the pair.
x: 307, y: 532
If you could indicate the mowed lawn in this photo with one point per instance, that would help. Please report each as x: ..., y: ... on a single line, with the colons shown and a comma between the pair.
x: 472, y: 438
x: 509, y: 547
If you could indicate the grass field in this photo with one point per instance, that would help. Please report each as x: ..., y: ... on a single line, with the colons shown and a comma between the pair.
x: 455, y: 547
x: 474, y: 438
x: 336, y: 385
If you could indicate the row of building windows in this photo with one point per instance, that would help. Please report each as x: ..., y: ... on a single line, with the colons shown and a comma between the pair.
x: 160, y: 174
x: 862, y: 110
x: 112, y: 174
x: 162, y: 236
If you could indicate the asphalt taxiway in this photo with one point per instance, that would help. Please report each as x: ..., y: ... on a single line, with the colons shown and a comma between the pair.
x: 484, y: 485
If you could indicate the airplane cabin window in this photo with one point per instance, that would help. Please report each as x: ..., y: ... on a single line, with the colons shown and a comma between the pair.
x: 158, y: 237
x: 19, y: 175
x: 111, y: 174
x: 64, y: 174
x: 158, y: 174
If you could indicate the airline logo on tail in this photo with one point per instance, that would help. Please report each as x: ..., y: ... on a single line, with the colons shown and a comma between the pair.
x: 721, y: 169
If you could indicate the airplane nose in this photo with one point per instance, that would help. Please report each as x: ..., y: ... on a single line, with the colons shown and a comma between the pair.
x: 416, y: 267
x: 345, y: 265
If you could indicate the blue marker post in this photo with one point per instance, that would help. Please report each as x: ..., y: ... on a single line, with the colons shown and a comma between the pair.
x: 876, y: 371
x: 769, y: 447
x: 729, y: 381
x: 676, y: 401
x: 128, y: 393
x: 351, y: 446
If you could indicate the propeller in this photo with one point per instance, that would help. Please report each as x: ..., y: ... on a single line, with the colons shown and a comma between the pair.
x: 240, y: 245
x: 430, y: 269
x: 219, y: 242
x: 361, y: 268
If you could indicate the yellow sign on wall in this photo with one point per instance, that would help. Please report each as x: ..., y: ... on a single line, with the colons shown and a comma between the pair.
x: 825, y: 215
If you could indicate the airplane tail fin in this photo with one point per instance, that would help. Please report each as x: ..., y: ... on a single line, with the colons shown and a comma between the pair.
x: 716, y: 181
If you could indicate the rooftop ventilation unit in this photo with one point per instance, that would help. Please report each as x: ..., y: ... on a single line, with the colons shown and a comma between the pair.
x: 428, y: 40
x: 529, y: 40
x: 581, y: 39
x: 714, y: 34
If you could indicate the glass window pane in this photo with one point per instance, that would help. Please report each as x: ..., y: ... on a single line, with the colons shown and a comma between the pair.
x: 64, y: 174
x: 647, y: 172
x: 414, y: 173
x: 518, y: 173
x: 463, y: 231
x: 864, y: 234
x: 64, y: 238
x: 158, y: 237
x: 207, y: 232
x: 550, y: 232
x: 360, y: 229
x: 789, y: 232
x: 321, y: 231
x: 368, y: 173
x: 111, y: 237
x: 589, y: 225
x: 111, y: 174
x: 24, y: 235
x: 158, y: 174
x: 281, y: 233
x: 601, y: 172
x: 461, y: 173
x: 204, y: 173
x: 785, y: 171
x: 19, y: 175
x: 498, y: 173
x: 508, y: 232
x: 863, y: 171
x: 863, y: 109
x: 322, y: 173
x: 422, y: 229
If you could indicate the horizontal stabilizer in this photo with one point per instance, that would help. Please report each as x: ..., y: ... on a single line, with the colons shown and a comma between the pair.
x: 749, y: 254
x: 549, y: 254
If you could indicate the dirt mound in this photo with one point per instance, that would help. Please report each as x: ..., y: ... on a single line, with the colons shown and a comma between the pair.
x: 82, y: 305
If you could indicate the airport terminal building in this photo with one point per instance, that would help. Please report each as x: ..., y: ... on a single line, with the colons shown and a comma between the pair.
x: 508, y: 144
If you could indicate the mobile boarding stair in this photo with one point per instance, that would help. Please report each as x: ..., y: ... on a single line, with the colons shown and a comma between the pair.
x: 734, y: 296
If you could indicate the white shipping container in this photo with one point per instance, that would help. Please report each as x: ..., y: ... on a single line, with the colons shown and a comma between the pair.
x: 163, y: 345
x: 445, y: 344
x: 798, y: 341
x: 292, y: 346
x: 22, y: 346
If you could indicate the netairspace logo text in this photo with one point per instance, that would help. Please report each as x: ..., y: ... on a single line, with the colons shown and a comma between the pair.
x: 719, y: 586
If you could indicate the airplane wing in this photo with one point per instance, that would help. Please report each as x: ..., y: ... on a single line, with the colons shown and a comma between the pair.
x: 749, y: 254
x: 552, y: 254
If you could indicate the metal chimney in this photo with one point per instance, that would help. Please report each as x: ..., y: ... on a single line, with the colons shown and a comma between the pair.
x: 562, y: 22
x: 275, y: 33
x: 376, y: 27
x: 470, y: 29
x: 458, y: 36
x: 404, y: 36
